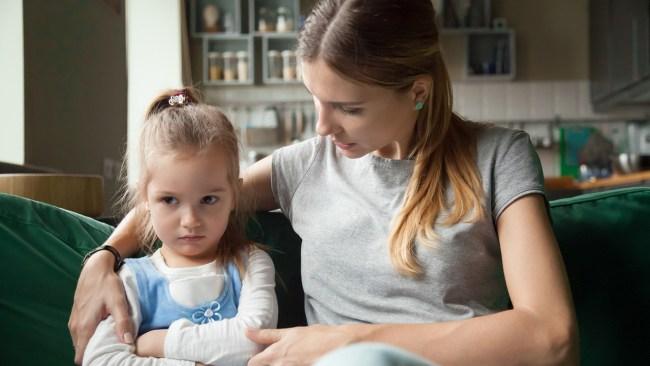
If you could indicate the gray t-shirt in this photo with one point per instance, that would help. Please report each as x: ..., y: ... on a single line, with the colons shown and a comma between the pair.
x: 342, y: 209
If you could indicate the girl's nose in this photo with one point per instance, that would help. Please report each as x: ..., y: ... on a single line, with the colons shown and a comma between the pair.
x: 190, y: 219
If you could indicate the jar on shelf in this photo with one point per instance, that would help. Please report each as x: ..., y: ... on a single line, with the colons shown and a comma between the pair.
x: 242, y: 66
x: 275, y: 65
x: 284, y: 22
x: 229, y: 66
x: 265, y: 20
x: 228, y: 23
x: 288, y: 65
x: 215, y: 66
x: 210, y: 18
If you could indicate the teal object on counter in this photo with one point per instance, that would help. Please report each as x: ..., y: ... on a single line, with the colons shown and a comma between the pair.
x: 603, y: 236
x: 572, y: 140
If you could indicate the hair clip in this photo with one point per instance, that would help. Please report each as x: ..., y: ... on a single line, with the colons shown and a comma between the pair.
x: 178, y: 99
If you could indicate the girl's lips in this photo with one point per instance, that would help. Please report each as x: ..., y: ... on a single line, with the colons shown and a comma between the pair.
x: 191, y: 237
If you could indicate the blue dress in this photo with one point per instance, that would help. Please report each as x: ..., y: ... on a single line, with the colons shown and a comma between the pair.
x: 159, y: 309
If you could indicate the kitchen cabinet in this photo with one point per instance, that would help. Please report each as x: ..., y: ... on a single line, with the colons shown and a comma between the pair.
x: 619, y: 52
x: 235, y: 50
x: 489, y: 51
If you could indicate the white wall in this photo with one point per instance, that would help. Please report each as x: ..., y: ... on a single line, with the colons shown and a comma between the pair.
x: 154, y: 60
x: 12, y: 92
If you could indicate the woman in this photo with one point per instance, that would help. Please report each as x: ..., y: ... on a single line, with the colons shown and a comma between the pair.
x: 418, y: 227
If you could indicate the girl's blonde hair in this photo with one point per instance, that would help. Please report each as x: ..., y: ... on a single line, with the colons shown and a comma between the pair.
x: 187, y: 127
x: 390, y: 43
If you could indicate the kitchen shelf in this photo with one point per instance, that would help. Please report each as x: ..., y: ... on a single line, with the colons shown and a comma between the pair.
x: 246, y: 36
x: 234, y: 44
x: 279, y: 43
x: 490, y: 55
x: 272, y: 10
x: 229, y: 16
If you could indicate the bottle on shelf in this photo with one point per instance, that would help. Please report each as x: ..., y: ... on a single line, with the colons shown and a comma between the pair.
x: 274, y: 64
x: 215, y: 66
x: 242, y: 66
x: 288, y: 65
x: 228, y: 23
x: 265, y: 21
x: 229, y: 66
x: 284, y: 22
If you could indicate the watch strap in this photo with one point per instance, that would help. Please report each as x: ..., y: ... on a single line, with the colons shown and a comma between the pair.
x: 119, y: 261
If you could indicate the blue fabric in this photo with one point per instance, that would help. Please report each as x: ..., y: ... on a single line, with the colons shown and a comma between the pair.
x: 371, y: 354
x: 159, y: 309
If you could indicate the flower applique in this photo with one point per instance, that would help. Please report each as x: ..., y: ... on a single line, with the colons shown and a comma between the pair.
x: 207, y: 314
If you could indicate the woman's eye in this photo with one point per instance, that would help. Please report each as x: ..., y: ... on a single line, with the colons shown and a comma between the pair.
x: 210, y: 200
x: 169, y: 200
x: 351, y: 111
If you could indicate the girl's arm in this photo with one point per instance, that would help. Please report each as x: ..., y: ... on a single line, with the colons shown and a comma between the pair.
x: 540, y: 329
x: 224, y: 341
x: 100, y: 292
x: 105, y: 348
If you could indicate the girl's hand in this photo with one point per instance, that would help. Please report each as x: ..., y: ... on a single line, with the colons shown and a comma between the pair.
x: 151, y: 344
x: 297, y: 346
x: 99, y: 292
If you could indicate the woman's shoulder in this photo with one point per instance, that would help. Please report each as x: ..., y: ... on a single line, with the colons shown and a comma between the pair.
x: 494, y: 141
x: 491, y: 134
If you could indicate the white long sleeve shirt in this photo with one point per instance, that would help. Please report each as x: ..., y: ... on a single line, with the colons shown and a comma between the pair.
x: 222, y: 342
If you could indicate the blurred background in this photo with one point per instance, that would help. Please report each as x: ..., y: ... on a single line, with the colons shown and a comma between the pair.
x: 77, y: 76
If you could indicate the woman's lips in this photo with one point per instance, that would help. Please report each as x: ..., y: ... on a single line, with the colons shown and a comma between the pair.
x: 343, y: 146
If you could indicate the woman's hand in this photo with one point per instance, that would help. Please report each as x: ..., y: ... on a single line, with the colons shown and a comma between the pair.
x: 297, y: 346
x: 151, y: 344
x: 99, y: 292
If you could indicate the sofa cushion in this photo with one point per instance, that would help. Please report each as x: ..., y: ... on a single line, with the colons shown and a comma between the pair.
x: 41, y: 247
x: 605, y: 242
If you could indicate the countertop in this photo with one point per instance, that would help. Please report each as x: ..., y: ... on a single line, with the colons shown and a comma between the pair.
x: 616, y: 180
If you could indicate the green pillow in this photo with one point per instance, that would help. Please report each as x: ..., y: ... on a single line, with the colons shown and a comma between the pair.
x: 41, y: 247
x: 605, y: 242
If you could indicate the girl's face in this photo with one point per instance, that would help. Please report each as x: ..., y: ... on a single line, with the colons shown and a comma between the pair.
x: 189, y: 199
x: 360, y: 118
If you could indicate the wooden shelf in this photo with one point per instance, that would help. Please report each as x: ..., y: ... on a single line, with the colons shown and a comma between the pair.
x: 80, y: 193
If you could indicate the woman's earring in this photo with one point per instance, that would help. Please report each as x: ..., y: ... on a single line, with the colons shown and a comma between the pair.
x: 419, y: 105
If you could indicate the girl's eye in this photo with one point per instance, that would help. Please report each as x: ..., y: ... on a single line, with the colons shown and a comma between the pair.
x: 210, y: 200
x: 169, y: 200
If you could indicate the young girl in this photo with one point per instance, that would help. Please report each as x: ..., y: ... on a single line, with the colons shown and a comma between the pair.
x: 205, y: 271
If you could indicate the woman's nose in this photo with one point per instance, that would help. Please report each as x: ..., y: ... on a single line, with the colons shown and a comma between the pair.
x: 325, y: 124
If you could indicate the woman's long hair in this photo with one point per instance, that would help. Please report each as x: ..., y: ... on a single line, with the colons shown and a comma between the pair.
x: 390, y: 43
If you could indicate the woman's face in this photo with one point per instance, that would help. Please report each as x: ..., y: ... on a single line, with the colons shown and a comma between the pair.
x: 360, y: 118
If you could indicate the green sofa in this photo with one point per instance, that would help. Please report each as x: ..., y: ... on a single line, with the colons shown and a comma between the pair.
x: 604, y: 238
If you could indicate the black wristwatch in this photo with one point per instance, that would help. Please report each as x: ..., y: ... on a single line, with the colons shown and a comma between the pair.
x: 118, y: 258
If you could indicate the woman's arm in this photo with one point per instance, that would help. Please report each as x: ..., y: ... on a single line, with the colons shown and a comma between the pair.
x: 100, y: 292
x: 224, y: 341
x: 540, y: 329
x: 257, y: 185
